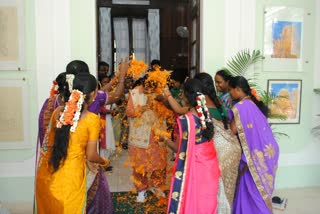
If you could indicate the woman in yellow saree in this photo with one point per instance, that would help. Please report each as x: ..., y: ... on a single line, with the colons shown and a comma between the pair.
x: 71, y: 139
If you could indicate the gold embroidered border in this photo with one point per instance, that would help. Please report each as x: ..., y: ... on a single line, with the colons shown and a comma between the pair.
x: 246, y: 152
x: 185, y: 165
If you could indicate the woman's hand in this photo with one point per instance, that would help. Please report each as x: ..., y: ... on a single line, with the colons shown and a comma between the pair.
x: 166, y: 92
x: 93, y: 166
x: 106, y: 162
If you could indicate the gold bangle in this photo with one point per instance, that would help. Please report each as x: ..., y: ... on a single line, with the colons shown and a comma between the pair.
x: 106, y: 162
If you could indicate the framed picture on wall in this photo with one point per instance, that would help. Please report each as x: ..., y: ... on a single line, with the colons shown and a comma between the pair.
x: 285, y: 102
x: 283, y: 38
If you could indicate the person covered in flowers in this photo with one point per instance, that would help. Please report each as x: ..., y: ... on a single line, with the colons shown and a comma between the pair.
x: 72, y: 135
x: 146, y: 153
x: 260, y: 151
x: 196, y: 174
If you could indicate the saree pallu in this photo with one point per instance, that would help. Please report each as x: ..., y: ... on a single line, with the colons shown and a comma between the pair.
x: 229, y: 154
x: 45, y: 114
x: 194, y: 185
x: 98, y: 195
x: 259, y: 160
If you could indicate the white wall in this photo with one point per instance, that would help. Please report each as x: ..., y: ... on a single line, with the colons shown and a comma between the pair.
x: 53, y: 47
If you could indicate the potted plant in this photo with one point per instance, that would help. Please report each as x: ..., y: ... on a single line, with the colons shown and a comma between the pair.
x: 239, y: 65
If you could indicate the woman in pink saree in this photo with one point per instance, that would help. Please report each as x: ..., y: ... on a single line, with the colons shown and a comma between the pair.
x: 260, y: 151
x: 194, y: 185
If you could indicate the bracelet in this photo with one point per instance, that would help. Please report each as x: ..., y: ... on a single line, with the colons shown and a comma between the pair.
x: 106, y: 162
x: 169, y: 96
x: 121, y: 81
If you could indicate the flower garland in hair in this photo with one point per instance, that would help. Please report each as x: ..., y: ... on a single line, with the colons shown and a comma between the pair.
x: 54, y: 89
x: 69, y: 79
x: 72, y: 110
x: 254, y: 93
x: 201, y: 103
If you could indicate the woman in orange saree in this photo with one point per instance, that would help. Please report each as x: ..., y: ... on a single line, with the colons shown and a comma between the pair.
x: 71, y: 139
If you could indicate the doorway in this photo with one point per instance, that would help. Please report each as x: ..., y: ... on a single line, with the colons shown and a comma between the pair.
x: 178, y: 33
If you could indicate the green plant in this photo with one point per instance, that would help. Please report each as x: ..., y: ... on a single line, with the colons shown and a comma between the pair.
x: 239, y: 64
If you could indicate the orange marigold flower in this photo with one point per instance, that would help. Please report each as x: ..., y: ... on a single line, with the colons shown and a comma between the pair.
x: 136, y: 68
x: 159, y: 78
x: 54, y: 89
x: 255, y: 94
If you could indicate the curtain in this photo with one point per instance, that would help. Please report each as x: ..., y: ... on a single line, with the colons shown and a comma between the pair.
x: 154, y: 33
x: 105, y: 35
x: 140, y: 39
x: 121, y: 36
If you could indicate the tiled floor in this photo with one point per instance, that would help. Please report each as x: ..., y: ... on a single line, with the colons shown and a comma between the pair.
x: 300, y: 200
x: 119, y: 180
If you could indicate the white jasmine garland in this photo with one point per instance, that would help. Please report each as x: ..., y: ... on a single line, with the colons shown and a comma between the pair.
x: 76, y: 115
x: 69, y: 79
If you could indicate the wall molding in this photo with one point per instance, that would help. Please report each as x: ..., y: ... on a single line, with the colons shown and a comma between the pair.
x: 25, y: 168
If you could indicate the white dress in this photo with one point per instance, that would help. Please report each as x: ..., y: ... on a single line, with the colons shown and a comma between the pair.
x: 110, y: 141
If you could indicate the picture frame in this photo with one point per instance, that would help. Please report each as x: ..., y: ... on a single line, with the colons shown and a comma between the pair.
x: 283, y: 48
x: 12, y: 39
x: 286, y: 101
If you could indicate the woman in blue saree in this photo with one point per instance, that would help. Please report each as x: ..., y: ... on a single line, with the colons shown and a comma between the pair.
x: 260, y: 151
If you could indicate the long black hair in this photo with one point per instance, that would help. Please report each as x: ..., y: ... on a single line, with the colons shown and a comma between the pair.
x: 225, y: 74
x: 241, y: 82
x: 61, y: 80
x: 192, y: 88
x: 208, y: 89
x: 86, y: 83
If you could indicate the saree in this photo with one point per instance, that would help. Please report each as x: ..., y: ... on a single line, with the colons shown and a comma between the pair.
x: 226, y: 100
x: 258, y: 162
x: 45, y: 114
x: 194, y: 185
x: 64, y: 191
x: 229, y: 154
x: 98, y: 194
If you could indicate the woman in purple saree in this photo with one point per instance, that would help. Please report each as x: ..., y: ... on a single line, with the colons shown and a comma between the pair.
x: 260, y: 151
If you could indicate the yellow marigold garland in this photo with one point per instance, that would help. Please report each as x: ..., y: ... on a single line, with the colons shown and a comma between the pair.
x: 136, y: 69
x: 159, y: 78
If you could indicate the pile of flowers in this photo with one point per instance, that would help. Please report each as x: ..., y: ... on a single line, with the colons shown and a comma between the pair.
x: 136, y: 69
x: 158, y: 79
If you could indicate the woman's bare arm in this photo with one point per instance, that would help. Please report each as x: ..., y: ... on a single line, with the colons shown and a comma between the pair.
x: 92, y: 153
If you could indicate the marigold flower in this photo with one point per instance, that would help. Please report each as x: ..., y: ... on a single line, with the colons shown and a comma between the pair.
x: 54, y: 89
x: 255, y: 94
x: 136, y: 68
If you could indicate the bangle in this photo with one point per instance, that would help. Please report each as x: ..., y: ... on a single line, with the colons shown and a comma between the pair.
x: 121, y: 81
x: 106, y: 162
x: 169, y: 96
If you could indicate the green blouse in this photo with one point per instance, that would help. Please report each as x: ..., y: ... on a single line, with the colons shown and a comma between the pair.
x: 216, y: 114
